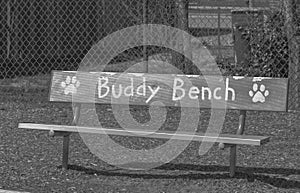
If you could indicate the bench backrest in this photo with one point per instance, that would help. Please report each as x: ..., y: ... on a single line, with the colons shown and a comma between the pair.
x: 241, y: 93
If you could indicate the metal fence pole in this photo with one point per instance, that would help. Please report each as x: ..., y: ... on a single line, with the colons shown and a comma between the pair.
x: 145, y: 21
x: 219, y: 32
x: 250, y: 3
x: 183, y: 43
x: 290, y: 13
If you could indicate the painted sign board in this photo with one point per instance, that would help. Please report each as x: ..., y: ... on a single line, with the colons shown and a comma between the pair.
x: 243, y: 93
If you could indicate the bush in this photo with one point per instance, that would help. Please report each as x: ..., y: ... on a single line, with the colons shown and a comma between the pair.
x: 268, y: 47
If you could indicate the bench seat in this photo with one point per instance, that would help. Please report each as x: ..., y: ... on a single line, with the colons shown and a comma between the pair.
x: 222, y: 138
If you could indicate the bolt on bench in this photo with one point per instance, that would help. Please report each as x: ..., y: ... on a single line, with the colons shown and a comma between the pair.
x: 236, y: 93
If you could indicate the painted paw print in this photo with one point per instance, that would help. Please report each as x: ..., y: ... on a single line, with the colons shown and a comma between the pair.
x: 70, y: 85
x: 259, y: 94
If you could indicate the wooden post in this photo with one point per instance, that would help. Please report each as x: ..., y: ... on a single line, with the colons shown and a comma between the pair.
x: 233, y: 148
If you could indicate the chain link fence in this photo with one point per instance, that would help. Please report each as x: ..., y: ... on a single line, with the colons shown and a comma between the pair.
x: 38, y: 36
x: 267, y: 44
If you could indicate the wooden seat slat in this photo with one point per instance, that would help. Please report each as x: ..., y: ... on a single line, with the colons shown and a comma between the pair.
x: 222, y: 138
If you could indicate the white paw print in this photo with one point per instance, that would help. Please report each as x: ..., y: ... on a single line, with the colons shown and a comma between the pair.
x: 259, y: 94
x: 70, y: 85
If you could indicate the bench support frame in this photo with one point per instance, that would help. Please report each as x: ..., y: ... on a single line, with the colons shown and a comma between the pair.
x: 66, y: 137
x: 65, y: 156
x: 233, y: 148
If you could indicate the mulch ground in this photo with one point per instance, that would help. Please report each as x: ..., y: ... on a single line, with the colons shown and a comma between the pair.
x: 31, y: 160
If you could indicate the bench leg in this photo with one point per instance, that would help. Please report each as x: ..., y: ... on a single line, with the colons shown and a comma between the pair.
x: 65, y: 156
x: 232, y: 160
x: 233, y: 148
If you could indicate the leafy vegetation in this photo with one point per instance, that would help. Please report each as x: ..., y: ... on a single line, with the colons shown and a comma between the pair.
x: 268, y: 46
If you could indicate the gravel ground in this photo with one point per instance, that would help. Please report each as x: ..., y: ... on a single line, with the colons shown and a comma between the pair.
x: 31, y: 161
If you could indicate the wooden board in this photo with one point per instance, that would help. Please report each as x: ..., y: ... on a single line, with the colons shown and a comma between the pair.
x: 242, y: 93
x: 223, y: 138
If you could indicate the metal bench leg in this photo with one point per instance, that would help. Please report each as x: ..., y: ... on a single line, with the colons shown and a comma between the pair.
x: 233, y: 148
x: 66, y: 140
x: 65, y: 156
x: 232, y: 169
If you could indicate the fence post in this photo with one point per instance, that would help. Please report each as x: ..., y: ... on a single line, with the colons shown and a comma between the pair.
x: 250, y: 4
x: 9, y: 24
x: 183, y: 24
x: 293, y: 41
x: 219, y: 33
x: 145, y: 21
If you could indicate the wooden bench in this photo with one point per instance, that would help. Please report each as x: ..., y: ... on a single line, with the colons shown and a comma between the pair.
x: 237, y: 93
